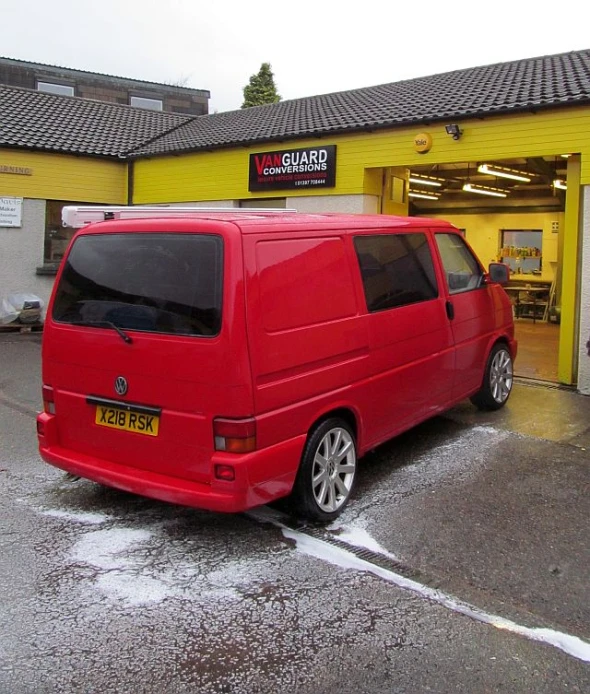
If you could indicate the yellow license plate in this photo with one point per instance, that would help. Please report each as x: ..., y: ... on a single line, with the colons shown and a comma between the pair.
x: 127, y: 421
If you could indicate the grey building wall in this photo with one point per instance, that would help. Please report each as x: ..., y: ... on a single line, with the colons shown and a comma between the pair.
x: 346, y: 204
x: 584, y: 359
x: 89, y: 85
x: 21, y: 252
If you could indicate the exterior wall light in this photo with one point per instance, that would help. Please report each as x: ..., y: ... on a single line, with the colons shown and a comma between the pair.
x: 454, y: 130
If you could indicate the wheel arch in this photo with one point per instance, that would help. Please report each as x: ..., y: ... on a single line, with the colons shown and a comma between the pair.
x: 328, y: 505
x: 506, y: 340
x: 502, y: 339
x: 495, y: 388
x: 343, y: 412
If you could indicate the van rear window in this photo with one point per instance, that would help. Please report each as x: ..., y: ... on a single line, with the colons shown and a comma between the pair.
x: 152, y: 282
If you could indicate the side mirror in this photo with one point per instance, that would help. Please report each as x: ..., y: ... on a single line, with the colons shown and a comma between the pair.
x: 499, y: 273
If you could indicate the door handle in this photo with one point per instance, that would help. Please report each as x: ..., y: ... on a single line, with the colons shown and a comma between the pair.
x: 450, y: 310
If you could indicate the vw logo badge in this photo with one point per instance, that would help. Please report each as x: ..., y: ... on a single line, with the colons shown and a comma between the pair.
x: 120, y: 385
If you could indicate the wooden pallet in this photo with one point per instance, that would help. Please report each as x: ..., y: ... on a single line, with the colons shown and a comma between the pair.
x: 21, y: 328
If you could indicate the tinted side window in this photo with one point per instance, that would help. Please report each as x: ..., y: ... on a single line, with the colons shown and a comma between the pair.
x: 461, y: 267
x: 397, y: 269
x: 164, y: 283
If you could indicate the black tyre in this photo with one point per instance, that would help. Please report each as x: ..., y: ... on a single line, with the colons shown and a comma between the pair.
x: 327, y: 472
x: 497, y: 380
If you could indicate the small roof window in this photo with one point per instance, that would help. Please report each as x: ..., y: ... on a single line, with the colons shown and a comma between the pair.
x: 53, y: 88
x: 144, y: 102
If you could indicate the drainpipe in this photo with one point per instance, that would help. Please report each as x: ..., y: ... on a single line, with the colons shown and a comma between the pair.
x: 130, y: 181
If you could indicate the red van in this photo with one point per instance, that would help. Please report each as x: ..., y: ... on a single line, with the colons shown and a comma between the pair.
x: 225, y: 359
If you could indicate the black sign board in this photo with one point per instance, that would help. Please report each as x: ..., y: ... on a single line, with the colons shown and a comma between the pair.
x: 300, y: 169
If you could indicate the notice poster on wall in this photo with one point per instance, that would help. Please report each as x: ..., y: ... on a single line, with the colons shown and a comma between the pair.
x: 11, y: 212
x: 305, y: 169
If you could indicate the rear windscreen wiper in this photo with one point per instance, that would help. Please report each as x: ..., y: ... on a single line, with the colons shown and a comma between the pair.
x: 107, y: 323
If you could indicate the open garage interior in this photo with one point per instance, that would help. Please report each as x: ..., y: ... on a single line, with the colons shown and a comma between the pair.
x: 511, y: 211
x: 532, y: 185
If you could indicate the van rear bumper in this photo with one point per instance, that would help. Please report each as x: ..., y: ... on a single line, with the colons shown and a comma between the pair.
x: 261, y: 476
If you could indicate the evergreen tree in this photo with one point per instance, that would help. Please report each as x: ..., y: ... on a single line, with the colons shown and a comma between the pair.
x: 261, y: 89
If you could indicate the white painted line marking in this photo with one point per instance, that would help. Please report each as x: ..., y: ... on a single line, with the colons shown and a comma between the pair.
x: 572, y: 645
x: 359, y: 537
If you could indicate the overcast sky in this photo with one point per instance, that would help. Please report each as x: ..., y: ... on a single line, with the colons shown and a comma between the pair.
x: 314, y: 46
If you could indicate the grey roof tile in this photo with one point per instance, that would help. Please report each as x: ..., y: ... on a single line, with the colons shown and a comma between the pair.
x: 520, y: 85
x: 35, y: 120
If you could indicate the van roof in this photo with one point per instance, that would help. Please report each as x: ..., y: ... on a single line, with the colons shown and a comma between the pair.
x: 257, y: 222
x: 332, y: 221
x: 335, y: 221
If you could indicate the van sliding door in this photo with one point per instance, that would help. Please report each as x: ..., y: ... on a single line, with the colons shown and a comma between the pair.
x: 411, y: 342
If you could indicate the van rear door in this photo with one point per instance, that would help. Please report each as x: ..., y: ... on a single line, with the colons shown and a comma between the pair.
x: 138, y: 345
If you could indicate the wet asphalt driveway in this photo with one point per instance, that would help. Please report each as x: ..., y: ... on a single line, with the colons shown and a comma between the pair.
x: 461, y: 565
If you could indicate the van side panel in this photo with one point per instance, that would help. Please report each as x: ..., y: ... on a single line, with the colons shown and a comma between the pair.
x: 412, y: 358
x: 314, y: 347
x: 478, y: 319
x: 302, y: 318
x: 306, y: 336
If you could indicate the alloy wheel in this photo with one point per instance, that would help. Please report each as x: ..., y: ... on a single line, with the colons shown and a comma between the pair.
x: 333, y: 469
x: 501, y: 376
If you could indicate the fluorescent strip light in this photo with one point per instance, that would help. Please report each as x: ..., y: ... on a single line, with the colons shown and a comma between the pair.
x: 423, y: 196
x: 502, y: 172
x: 560, y: 183
x: 482, y: 190
x: 425, y: 181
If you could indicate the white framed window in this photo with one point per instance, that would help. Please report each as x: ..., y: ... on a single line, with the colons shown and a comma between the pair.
x: 52, y: 88
x: 144, y: 102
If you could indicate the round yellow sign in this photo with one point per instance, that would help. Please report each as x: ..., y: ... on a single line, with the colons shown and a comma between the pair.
x: 422, y: 143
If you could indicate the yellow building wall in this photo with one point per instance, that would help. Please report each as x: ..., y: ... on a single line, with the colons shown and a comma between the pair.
x: 63, y: 177
x: 483, y: 232
x: 395, y: 191
x: 570, y: 286
x: 223, y: 174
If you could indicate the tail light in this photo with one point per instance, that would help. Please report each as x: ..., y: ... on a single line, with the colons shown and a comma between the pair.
x: 48, y: 400
x: 235, y: 435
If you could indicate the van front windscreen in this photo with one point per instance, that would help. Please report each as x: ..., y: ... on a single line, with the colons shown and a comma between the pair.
x: 152, y: 282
